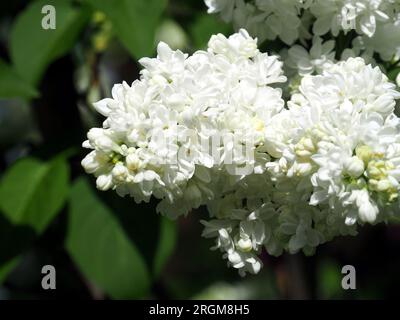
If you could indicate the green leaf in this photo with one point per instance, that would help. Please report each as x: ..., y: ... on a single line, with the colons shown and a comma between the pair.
x: 135, y: 22
x: 101, y: 249
x: 166, y: 244
x: 329, y: 280
x: 34, y: 48
x: 12, y: 85
x: 153, y: 234
x: 6, y: 268
x: 392, y: 74
x: 32, y: 192
x: 204, y: 27
x: 21, y: 238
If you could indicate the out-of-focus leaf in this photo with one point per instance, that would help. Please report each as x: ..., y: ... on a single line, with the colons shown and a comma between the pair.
x: 329, y: 279
x: 17, y: 125
x: 12, y: 85
x: 100, y: 247
x: 262, y: 286
x: 204, y: 27
x: 20, y: 237
x: 166, y: 244
x: 34, y: 48
x: 7, y: 268
x: 172, y: 34
x: 32, y: 192
x: 134, y: 21
x: 153, y: 234
x: 393, y: 74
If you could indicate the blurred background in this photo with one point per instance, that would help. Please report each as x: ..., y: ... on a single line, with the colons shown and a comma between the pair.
x: 103, y: 246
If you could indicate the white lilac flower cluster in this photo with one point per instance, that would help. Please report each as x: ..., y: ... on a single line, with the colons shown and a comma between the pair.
x: 375, y: 23
x: 158, y: 132
x: 335, y: 164
x: 212, y: 129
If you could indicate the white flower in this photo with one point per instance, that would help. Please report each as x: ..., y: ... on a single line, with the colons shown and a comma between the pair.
x: 156, y: 135
x: 239, y: 255
x: 385, y: 41
x: 308, y: 62
x: 335, y: 164
x: 239, y: 45
x: 281, y: 18
x: 211, y: 129
x: 339, y: 140
x: 362, y: 15
x: 354, y: 166
x: 351, y: 84
x: 377, y: 22
x: 223, y: 6
x: 298, y: 225
x: 266, y: 19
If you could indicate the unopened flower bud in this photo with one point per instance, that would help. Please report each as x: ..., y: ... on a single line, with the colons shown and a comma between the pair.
x: 104, y: 182
x: 354, y: 166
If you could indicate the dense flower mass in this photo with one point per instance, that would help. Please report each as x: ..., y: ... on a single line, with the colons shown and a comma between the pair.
x: 157, y: 135
x: 374, y: 24
x: 212, y: 129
